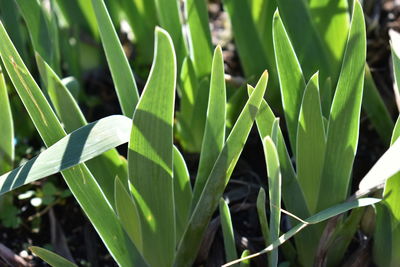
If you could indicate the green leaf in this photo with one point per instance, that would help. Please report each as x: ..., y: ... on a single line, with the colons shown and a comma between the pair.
x: 291, y: 78
x: 214, y: 134
x: 79, y: 179
x: 142, y: 18
x: 199, y: 36
x: 343, y: 125
x: 43, y: 34
x: 396, y: 131
x: 247, y: 40
x: 219, y: 178
x: 168, y: 12
x: 310, y: 49
x: 51, y: 258
x: 64, y: 103
x: 77, y: 147
x: 150, y: 155
x: 317, y: 218
x: 262, y: 216
x: 383, y: 236
x: 395, y: 45
x: 128, y: 214
x: 331, y: 19
x: 6, y: 129
x: 310, y: 144
x: 182, y: 193
x: 125, y: 85
x: 274, y: 185
x: 227, y: 231
x: 245, y: 263
x: 375, y: 108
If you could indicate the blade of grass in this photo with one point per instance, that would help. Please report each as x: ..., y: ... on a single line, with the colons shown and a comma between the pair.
x: 291, y: 78
x: 317, y: 218
x: 124, y: 81
x: 310, y: 144
x: 274, y: 185
x: 6, y: 128
x: 79, y: 179
x: 343, y: 125
x: 214, y: 134
x: 128, y: 213
x: 182, y: 193
x: 168, y: 12
x: 51, y: 258
x: 199, y: 37
x: 219, y: 177
x: 227, y: 231
x: 262, y: 216
x: 395, y: 44
x: 150, y: 155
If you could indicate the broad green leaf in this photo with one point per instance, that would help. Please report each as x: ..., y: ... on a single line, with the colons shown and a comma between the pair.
x: 6, y: 128
x: 79, y: 179
x: 168, y: 12
x: 395, y: 45
x: 79, y: 146
x: 274, y: 186
x: 43, y: 34
x: 343, y: 125
x: 317, y: 218
x: 125, y: 85
x: 141, y: 15
x: 310, y: 50
x: 199, y: 36
x: 310, y: 144
x: 376, y: 109
x: 150, y: 155
x: 227, y: 231
x: 326, y: 98
x: 214, y: 134
x: 51, y: 258
x: 128, y: 214
x: 182, y: 193
x: 332, y: 21
x: 291, y: 78
x: 262, y: 216
x: 219, y: 177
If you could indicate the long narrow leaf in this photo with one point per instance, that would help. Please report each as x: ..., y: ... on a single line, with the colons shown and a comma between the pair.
x: 274, y: 185
x: 227, y: 231
x: 291, y: 78
x: 343, y: 126
x: 6, y: 128
x: 219, y: 178
x: 310, y: 144
x: 125, y: 85
x: 214, y: 135
x: 150, y: 155
x: 51, y: 258
x: 79, y: 179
